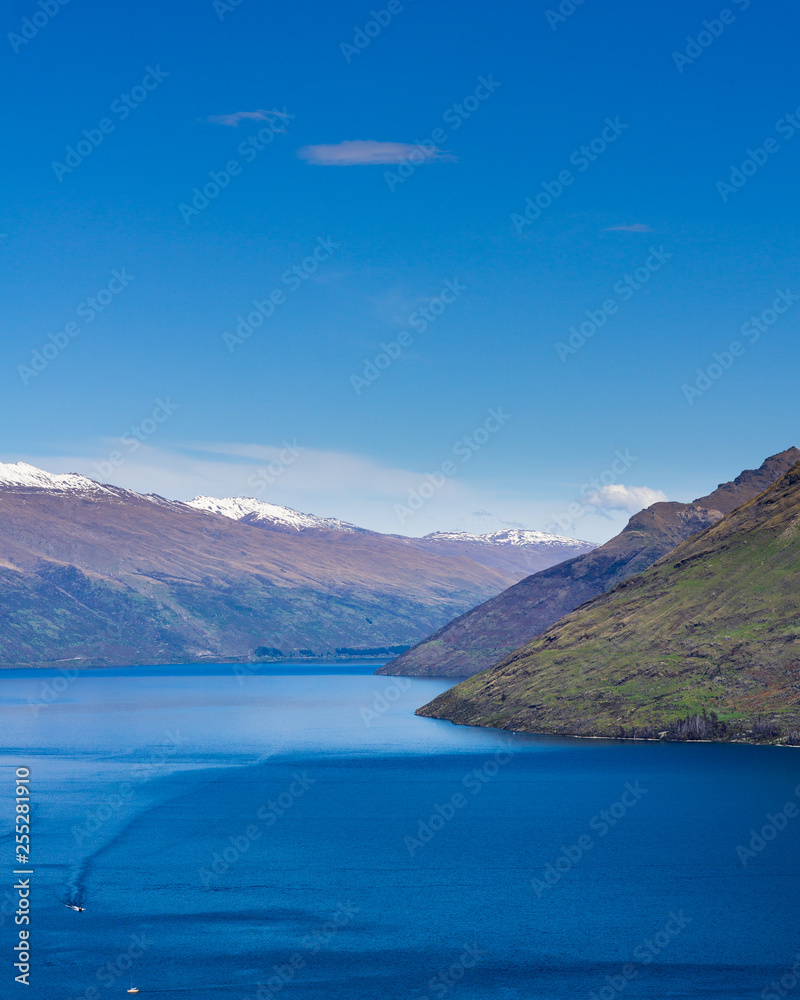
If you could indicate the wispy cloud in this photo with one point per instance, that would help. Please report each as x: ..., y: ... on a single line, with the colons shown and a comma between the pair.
x: 369, y: 152
x: 637, y: 227
x: 617, y: 497
x: 356, y: 488
x: 240, y: 116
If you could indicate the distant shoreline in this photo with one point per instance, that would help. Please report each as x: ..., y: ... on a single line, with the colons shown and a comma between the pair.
x: 199, y: 661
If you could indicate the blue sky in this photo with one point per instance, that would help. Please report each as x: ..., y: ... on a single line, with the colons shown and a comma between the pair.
x: 479, y: 111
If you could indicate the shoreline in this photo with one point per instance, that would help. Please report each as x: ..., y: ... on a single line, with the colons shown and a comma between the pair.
x: 614, y: 739
x: 86, y: 664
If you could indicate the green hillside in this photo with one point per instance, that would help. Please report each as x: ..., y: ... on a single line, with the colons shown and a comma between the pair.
x: 712, y: 629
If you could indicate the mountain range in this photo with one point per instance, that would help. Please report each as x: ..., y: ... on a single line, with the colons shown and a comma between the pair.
x: 704, y: 644
x: 517, y: 551
x: 479, y: 638
x: 95, y: 574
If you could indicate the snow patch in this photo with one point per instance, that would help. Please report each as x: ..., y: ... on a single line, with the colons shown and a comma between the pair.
x: 517, y: 537
x: 241, y: 508
x: 29, y: 477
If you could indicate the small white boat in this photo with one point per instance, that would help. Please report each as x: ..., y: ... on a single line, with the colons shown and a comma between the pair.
x: 74, y: 906
x: 133, y: 988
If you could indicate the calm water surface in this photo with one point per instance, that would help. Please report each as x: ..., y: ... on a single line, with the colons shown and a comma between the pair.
x: 297, y: 832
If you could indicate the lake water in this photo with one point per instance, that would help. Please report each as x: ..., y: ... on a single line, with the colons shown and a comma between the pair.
x: 297, y: 832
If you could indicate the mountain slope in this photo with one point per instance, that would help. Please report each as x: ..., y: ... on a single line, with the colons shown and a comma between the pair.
x: 712, y: 627
x: 478, y: 639
x: 105, y: 575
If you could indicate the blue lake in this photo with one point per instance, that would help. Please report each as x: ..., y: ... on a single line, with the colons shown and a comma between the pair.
x: 298, y: 832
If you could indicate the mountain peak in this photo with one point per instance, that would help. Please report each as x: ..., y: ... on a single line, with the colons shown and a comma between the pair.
x: 253, y: 511
x: 20, y: 474
x: 727, y: 496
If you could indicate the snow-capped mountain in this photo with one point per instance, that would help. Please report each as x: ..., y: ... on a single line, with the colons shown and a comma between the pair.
x: 513, y: 550
x: 24, y: 476
x: 511, y: 536
x: 20, y: 477
x: 254, y: 511
x: 91, y: 572
x: 262, y: 513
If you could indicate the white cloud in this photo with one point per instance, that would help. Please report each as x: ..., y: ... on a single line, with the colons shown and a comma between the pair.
x: 637, y: 227
x: 239, y: 116
x: 369, y: 152
x: 631, y: 499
